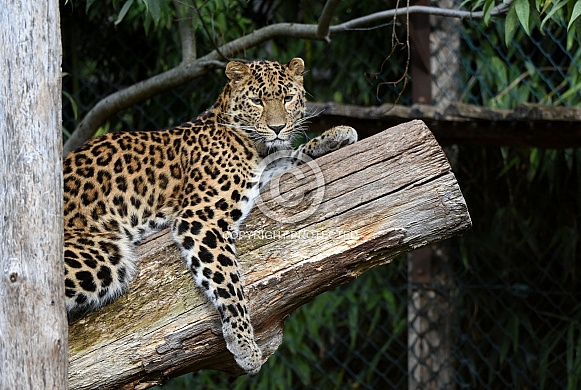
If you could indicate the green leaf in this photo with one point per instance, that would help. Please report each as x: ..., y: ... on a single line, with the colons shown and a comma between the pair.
x: 544, y: 364
x: 500, y: 69
x: 488, y: 6
x: 153, y: 9
x: 571, y: 92
x: 569, y: 353
x: 353, y: 319
x: 510, y: 24
x: 545, y: 6
x: 73, y: 104
x: 575, y: 14
x: 123, y: 11
x: 522, y: 8
x: 574, y: 34
x: 302, y: 368
x: 554, y: 9
x: 507, y: 167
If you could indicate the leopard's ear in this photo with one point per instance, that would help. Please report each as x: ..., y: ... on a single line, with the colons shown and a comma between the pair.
x: 296, y: 67
x: 237, y: 71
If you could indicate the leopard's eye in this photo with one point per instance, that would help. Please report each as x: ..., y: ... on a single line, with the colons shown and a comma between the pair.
x: 256, y: 101
x: 288, y: 98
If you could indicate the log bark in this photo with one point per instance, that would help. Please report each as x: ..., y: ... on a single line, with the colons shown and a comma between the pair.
x: 369, y: 203
x: 33, y: 324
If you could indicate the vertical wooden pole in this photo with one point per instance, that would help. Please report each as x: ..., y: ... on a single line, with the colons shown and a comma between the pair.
x: 419, y: 261
x: 430, y: 365
x: 420, y: 56
x: 430, y: 313
x: 33, y: 324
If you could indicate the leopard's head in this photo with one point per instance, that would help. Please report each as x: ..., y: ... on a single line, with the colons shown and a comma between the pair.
x: 267, y: 102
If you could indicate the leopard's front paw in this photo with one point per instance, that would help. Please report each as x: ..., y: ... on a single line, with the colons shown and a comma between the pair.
x: 341, y: 136
x: 331, y: 140
x: 244, y: 349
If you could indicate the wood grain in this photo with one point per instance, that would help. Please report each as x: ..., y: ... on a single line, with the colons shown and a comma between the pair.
x: 33, y: 324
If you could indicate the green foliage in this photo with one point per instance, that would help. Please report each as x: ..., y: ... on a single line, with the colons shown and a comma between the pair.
x: 157, y: 15
x: 158, y: 12
x: 501, y: 76
x: 534, y: 13
x: 522, y: 10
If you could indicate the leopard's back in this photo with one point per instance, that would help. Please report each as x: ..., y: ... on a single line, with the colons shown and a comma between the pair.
x: 117, y: 189
x: 121, y: 180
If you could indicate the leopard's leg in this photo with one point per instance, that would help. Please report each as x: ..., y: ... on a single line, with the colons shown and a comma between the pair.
x: 98, y: 269
x: 331, y: 140
x: 211, y: 257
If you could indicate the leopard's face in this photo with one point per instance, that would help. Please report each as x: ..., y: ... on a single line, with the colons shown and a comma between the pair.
x: 267, y: 102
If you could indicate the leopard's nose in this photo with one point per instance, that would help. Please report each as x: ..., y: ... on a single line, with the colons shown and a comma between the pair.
x: 276, y: 128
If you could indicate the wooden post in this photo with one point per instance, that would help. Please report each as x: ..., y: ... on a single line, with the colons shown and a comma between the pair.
x: 434, y: 71
x: 381, y: 197
x: 430, y: 314
x: 33, y: 325
x: 429, y: 363
x: 420, y: 56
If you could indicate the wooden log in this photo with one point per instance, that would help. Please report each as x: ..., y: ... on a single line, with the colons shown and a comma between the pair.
x: 368, y: 203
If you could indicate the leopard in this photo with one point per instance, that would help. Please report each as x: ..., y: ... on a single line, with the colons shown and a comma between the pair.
x: 200, y: 180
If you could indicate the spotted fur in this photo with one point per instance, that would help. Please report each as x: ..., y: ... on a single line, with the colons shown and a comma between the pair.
x: 199, y: 179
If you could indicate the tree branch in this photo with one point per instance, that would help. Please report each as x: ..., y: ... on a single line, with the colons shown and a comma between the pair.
x: 186, y: 72
x: 134, y: 94
x: 325, y: 19
x: 417, y: 9
x: 383, y: 196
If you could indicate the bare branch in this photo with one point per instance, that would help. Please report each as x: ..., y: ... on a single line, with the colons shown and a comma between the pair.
x: 134, y: 94
x: 416, y: 9
x: 186, y: 72
x: 325, y: 19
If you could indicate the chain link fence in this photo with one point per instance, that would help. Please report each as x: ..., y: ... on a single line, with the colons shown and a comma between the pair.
x: 496, y: 308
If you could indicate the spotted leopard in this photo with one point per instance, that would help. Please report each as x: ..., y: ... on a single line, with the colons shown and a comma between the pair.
x: 199, y: 180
